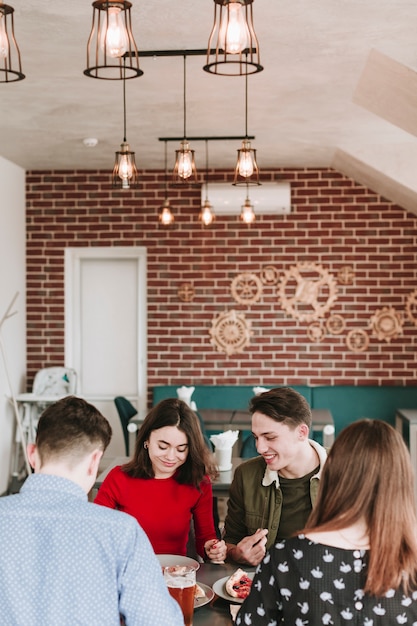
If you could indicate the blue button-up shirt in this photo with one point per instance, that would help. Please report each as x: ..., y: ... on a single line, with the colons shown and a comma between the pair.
x: 65, y: 561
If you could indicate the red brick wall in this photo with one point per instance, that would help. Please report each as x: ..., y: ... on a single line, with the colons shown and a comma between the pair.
x: 334, y: 223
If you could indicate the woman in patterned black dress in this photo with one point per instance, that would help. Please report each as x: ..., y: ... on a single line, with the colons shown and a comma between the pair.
x: 356, y: 561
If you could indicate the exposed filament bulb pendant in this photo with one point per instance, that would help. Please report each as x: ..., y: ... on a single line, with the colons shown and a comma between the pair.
x: 4, y: 40
x: 114, y: 39
x: 234, y: 34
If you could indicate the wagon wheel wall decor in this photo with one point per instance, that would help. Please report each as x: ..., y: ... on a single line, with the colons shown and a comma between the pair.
x: 269, y: 275
x: 411, y: 307
x: 386, y: 324
x: 246, y: 288
x: 335, y: 324
x: 186, y: 292
x: 307, y: 291
x: 316, y: 332
x: 357, y: 340
x: 230, y: 332
x: 346, y: 275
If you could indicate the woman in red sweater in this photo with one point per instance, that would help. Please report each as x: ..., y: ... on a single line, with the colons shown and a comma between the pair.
x: 168, y: 483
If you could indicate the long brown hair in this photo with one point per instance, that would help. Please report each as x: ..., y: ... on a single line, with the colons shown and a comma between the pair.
x: 368, y: 475
x: 199, y: 461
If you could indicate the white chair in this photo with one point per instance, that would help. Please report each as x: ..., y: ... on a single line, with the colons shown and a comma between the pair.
x: 55, y: 381
x: 49, y: 384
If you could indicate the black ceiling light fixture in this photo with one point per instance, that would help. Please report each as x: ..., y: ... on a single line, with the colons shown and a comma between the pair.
x: 166, y: 216
x: 207, y: 215
x: 10, y: 61
x: 184, y: 169
x: 111, y: 42
x: 246, y: 170
x: 247, y: 214
x: 125, y: 173
x: 233, y: 48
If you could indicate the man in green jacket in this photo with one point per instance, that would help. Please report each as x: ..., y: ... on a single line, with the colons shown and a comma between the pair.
x: 271, y: 495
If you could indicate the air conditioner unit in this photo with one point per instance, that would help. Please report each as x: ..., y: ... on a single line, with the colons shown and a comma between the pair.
x: 267, y: 199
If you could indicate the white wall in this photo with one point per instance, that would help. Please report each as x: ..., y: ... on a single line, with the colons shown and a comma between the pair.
x: 12, y: 280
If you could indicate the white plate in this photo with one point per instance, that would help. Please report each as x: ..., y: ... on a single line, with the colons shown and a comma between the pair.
x: 170, y: 560
x: 207, y: 598
x: 219, y: 588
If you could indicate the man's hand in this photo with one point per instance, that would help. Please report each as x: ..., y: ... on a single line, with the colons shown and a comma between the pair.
x: 251, y: 550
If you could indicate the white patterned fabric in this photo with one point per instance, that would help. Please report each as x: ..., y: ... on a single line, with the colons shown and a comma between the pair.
x: 309, y: 584
x: 68, y: 562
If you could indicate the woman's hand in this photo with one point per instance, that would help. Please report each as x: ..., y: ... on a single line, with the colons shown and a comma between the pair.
x: 216, y: 550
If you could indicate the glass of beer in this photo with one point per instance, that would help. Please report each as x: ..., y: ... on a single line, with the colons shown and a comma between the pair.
x: 180, y: 580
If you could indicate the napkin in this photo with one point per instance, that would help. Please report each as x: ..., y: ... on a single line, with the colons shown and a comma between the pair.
x: 225, y: 440
x: 258, y: 390
x: 184, y: 393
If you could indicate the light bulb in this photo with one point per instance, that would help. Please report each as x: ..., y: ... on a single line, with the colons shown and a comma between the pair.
x: 245, y: 167
x: 185, y: 167
x: 247, y: 214
x: 234, y: 33
x: 125, y: 167
x: 113, y: 34
x: 165, y: 216
x: 206, y: 214
x: 4, y: 40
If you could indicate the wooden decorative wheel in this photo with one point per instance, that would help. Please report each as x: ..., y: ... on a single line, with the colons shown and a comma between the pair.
x: 346, y: 275
x: 411, y: 307
x: 269, y: 275
x: 186, y: 292
x: 357, y: 340
x: 307, y: 291
x: 230, y: 332
x: 246, y: 288
x: 335, y: 324
x: 386, y: 324
x: 316, y: 332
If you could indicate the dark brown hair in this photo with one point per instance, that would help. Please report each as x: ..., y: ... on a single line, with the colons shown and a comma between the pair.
x: 368, y: 475
x: 71, y: 427
x: 173, y: 412
x: 283, y: 404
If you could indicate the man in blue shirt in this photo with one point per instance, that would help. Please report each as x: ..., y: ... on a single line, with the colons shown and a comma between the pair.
x: 67, y: 561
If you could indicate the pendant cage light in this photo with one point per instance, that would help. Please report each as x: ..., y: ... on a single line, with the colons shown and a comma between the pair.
x: 184, y: 169
x: 246, y: 170
x: 166, y: 216
x: 247, y: 214
x: 111, y: 42
x: 207, y: 215
x: 125, y: 173
x: 10, y: 61
x: 233, y: 48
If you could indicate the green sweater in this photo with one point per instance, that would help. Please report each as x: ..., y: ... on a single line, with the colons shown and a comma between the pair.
x: 252, y: 505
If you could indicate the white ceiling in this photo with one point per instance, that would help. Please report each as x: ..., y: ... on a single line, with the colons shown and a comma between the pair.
x: 338, y: 89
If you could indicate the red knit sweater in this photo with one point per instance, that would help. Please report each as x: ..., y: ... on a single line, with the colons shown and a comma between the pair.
x: 163, y: 508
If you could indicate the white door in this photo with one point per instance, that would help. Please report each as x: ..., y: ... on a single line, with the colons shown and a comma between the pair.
x: 105, y: 328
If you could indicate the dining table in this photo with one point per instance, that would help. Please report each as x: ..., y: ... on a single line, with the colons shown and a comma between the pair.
x: 217, y: 612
